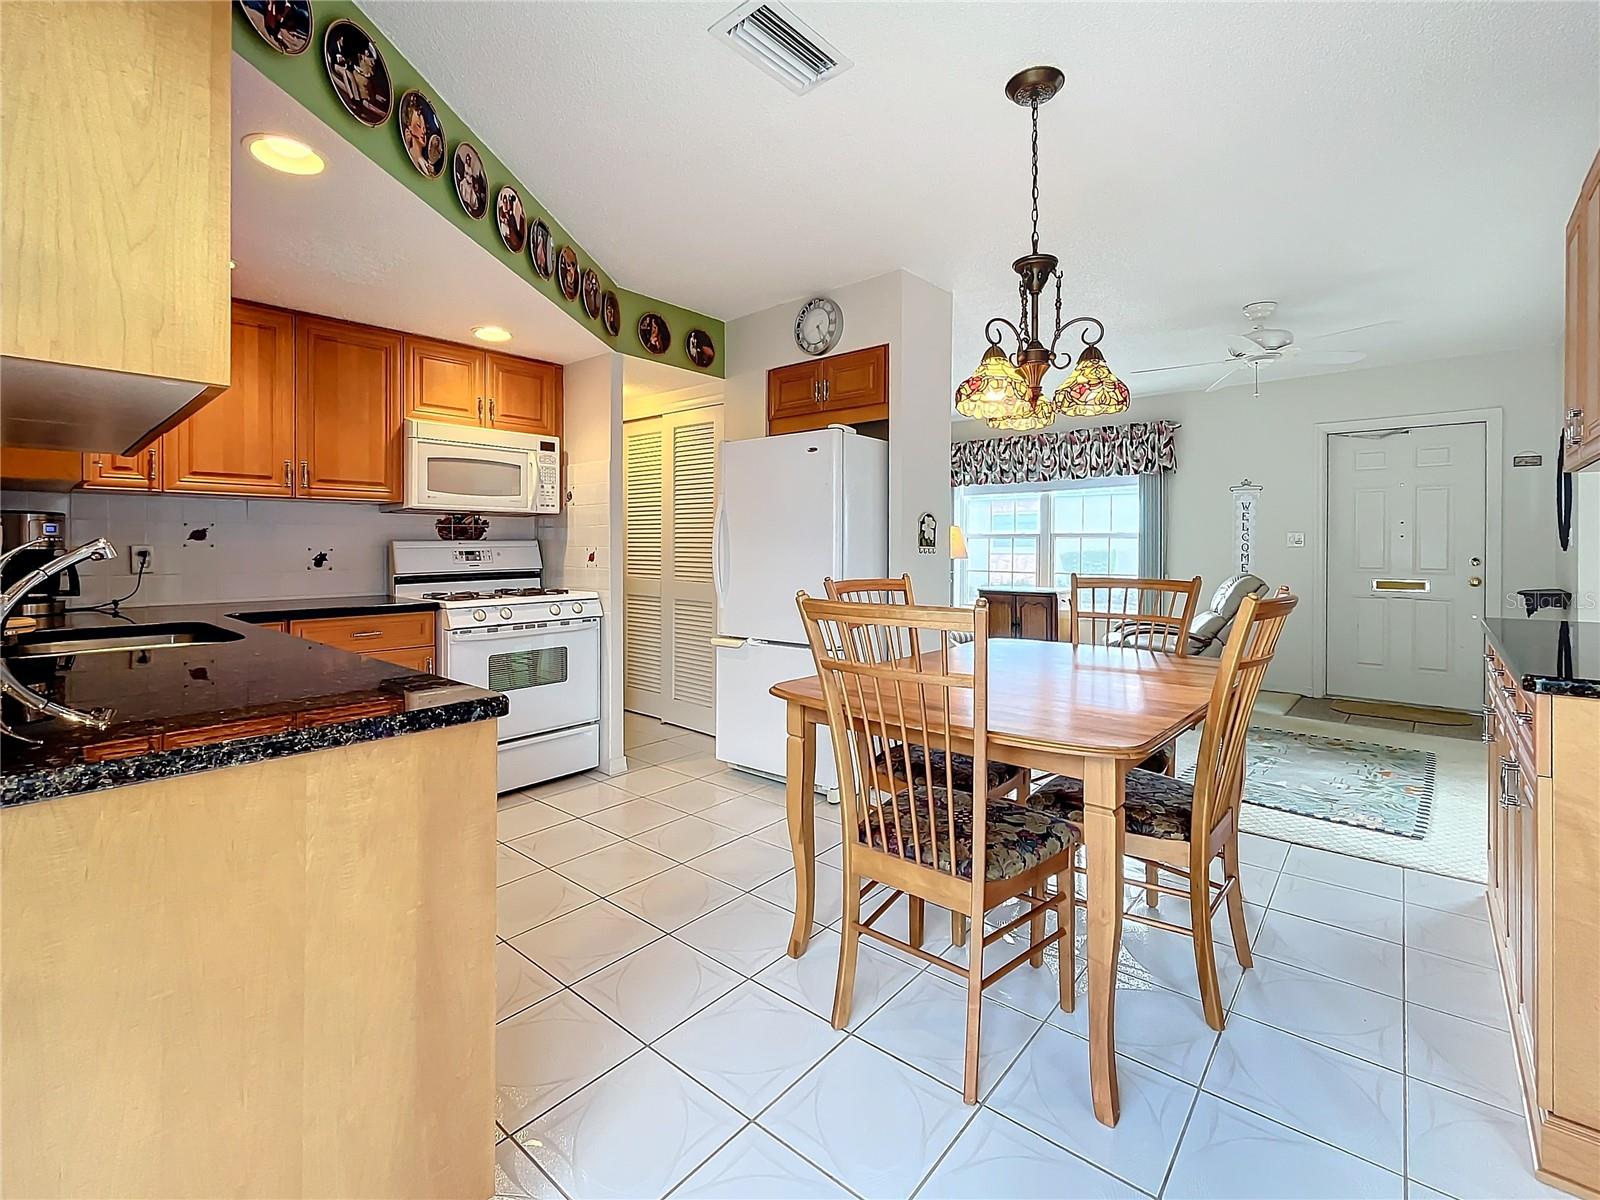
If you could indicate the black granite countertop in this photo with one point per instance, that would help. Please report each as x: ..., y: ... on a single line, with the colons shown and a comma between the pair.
x: 1560, y: 658
x: 181, y: 709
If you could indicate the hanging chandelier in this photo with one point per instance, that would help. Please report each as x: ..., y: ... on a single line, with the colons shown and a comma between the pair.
x: 1007, y: 390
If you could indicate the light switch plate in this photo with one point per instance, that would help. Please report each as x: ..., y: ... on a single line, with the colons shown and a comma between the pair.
x: 1297, y: 539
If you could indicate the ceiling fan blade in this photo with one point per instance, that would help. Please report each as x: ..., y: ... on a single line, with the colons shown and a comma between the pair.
x: 1227, y: 375
x: 1332, y: 357
x: 1322, y: 337
x: 1212, y: 362
x: 1238, y: 344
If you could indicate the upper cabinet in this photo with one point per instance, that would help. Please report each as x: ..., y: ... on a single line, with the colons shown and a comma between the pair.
x: 462, y: 386
x: 842, y: 389
x: 242, y: 443
x: 129, y: 472
x: 444, y: 382
x: 347, y: 411
x: 115, y: 176
x: 1581, y: 408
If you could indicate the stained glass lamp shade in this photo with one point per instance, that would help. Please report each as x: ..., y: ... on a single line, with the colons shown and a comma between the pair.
x: 995, y: 390
x: 1092, y: 390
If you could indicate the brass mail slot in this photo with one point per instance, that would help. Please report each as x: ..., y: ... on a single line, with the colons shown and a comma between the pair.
x: 1399, y: 585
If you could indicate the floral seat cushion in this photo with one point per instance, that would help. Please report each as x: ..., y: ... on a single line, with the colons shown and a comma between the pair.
x: 1153, y: 805
x: 893, y: 763
x: 1160, y: 760
x: 1020, y: 837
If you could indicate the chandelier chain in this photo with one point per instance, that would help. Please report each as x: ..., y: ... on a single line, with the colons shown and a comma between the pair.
x: 1035, y: 107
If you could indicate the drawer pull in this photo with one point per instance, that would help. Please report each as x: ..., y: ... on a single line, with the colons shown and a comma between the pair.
x: 1488, y: 724
x: 1526, y: 718
x: 1509, y: 795
x: 368, y: 633
x: 1508, y: 691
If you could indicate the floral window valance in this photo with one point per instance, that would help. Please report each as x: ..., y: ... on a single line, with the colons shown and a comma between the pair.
x: 1137, y: 448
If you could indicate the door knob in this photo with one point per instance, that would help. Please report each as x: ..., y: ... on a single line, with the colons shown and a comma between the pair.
x: 1475, y: 581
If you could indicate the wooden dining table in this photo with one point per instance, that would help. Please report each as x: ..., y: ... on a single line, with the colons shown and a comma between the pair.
x: 1088, y: 712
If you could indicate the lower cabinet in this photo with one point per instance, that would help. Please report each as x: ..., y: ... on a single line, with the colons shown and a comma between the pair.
x: 1544, y: 879
x: 1029, y: 614
x: 404, y: 638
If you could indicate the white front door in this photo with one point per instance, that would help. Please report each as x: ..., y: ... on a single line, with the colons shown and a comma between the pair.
x: 669, y: 602
x: 1406, y: 565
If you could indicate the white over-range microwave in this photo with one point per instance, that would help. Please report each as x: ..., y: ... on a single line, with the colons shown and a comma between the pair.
x: 459, y: 469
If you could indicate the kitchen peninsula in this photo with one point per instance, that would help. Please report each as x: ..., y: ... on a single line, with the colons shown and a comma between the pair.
x: 238, y: 922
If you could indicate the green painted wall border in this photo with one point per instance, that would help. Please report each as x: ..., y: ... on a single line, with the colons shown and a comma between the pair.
x: 303, y: 77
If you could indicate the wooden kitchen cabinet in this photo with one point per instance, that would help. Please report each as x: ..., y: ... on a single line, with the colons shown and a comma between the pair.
x: 1023, y: 613
x: 444, y: 382
x: 376, y: 634
x: 524, y: 395
x: 842, y: 389
x: 347, y: 411
x: 126, y: 472
x: 243, y: 442
x: 1581, y: 408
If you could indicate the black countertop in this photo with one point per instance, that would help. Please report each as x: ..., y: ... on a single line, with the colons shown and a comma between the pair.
x: 1560, y: 658
x: 188, y: 708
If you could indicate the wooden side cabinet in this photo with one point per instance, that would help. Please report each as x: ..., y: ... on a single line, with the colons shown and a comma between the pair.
x: 347, y: 411
x: 524, y: 395
x: 1581, y: 409
x: 124, y: 472
x: 1023, y: 613
x: 444, y: 382
x: 842, y: 389
x: 242, y: 443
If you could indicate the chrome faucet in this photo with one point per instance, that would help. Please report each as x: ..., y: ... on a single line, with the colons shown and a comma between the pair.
x: 10, y: 685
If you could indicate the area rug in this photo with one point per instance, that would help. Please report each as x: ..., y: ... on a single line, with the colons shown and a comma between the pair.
x: 1385, y: 789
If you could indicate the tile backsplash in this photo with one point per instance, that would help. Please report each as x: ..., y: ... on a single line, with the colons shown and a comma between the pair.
x: 207, y: 549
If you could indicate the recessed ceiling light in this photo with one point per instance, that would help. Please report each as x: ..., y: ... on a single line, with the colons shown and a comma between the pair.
x: 491, y: 333
x: 286, y: 154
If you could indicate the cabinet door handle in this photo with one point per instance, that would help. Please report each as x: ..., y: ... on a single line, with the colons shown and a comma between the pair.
x: 825, y: 391
x: 1488, y: 724
x: 305, y: 473
x: 1574, y: 426
x: 1510, y: 796
x: 491, y: 410
x: 480, y: 410
x: 429, y: 667
x: 816, y: 392
x: 151, y: 470
x: 288, y: 473
x: 368, y: 633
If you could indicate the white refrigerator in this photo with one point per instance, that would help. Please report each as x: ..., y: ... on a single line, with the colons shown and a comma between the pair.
x: 793, y: 510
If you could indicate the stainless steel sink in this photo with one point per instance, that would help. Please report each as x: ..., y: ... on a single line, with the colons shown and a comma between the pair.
x: 51, y: 643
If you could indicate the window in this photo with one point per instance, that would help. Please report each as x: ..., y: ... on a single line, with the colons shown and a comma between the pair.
x: 1037, y: 535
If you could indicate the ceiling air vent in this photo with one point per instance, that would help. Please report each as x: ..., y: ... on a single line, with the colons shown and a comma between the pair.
x: 778, y: 42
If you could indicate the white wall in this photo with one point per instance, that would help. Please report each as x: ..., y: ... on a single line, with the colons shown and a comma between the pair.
x: 582, y: 544
x: 251, y: 549
x: 913, y: 318
x: 1274, y: 440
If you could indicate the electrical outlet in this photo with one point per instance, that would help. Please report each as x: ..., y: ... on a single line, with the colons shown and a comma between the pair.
x: 1297, y: 539
x: 141, y: 555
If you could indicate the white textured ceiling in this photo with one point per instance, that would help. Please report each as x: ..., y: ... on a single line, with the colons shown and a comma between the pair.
x: 354, y: 243
x: 1412, y: 162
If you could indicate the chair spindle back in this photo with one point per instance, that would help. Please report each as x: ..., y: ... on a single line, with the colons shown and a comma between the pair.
x: 1159, y: 610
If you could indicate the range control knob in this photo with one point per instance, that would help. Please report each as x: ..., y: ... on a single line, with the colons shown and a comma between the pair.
x: 505, y: 614
x: 577, y: 606
x: 555, y: 610
x: 478, y: 614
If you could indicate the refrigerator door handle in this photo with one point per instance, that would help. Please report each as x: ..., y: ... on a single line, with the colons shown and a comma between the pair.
x: 729, y: 643
x: 719, y: 542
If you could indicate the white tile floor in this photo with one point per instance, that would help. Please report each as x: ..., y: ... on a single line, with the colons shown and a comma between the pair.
x: 655, y: 1039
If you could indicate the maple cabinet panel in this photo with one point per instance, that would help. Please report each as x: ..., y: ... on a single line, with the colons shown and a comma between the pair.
x: 844, y: 389
x: 444, y: 382
x: 243, y: 442
x: 132, y: 472
x: 524, y: 395
x: 1581, y: 344
x: 859, y: 379
x: 1023, y: 613
x: 347, y: 411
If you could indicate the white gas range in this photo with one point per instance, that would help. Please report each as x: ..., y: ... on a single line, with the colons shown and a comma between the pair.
x: 500, y: 628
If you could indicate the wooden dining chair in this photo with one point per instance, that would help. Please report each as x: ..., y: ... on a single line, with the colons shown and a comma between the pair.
x: 1147, y: 614
x: 931, y: 841
x: 1003, y: 779
x: 1180, y: 828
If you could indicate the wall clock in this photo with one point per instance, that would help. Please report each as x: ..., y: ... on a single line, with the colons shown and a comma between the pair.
x: 818, y: 325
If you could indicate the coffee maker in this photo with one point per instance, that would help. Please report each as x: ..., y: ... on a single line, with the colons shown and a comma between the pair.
x: 20, y: 526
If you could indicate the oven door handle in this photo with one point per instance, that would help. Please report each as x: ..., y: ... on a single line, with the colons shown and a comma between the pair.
x: 469, y: 637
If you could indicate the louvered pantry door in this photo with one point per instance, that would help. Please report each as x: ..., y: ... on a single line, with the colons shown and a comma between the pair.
x: 669, y: 604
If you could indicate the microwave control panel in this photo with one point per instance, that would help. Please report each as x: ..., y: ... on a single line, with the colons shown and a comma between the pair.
x: 547, y: 476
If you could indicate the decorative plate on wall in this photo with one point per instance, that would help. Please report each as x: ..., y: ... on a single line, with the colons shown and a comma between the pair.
x: 591, y: 293
x: 421, y: 133
x: 611, y: 313
x: 654, y: 335
x: 285, y: 25
x: 472, y: 185
x: 510, y: 220
x: 701, y: 350
x: 541, y: 249
x: 357, y: 71
x: 567, y: 272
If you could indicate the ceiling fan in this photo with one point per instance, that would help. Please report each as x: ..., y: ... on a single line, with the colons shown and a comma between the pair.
x: 1264, y: 346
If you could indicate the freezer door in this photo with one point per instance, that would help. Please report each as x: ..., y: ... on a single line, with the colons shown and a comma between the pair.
x: 779, y: 530
x: 752, y: 724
